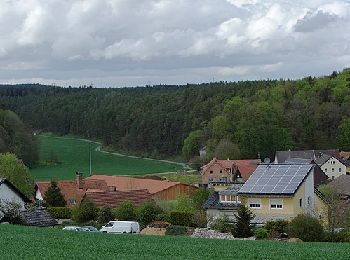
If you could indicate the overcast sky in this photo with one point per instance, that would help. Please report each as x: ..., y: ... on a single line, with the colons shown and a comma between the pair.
x: 136, y: 42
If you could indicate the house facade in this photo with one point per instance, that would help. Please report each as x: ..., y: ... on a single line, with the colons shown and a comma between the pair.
x: 281, y: 192
x: 10, y: 193
x: 220, y: 174
x: 333, y: 168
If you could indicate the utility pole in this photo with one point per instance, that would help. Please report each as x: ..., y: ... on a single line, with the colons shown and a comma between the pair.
x: 90, y: 171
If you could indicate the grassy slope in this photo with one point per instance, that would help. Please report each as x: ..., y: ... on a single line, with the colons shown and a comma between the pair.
x: 39, y: 243
x: 74, y: 156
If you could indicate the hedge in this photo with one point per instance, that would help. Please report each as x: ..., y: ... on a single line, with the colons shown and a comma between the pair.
x: 60, y: 212
x: 180, y: 218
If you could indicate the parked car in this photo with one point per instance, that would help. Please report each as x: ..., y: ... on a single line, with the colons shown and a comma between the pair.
x: 72, y: 228
x: 121, y: 227
x: 89, y: 229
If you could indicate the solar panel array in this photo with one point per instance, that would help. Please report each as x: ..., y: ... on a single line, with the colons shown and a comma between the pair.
x: 276, y: 179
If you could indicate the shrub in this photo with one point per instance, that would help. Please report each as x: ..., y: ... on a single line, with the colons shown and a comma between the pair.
x: 199, y: 219
x: 222, y: 225
x: 11, y: 212
x: 125, y: 211
x: 176, y: 230
x: 180, y: 218
x: 84, y: 211
x: 60, y: 212
x: 148, y: 212
x: 105, y: 215
x: 306, y: 228
x: 342, y: 236
x: 276, y: 228
x: 242, y: 227
x: 199, y: 197
x: 261, y: 233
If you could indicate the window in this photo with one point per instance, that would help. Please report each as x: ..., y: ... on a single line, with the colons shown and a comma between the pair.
x: 222, y: 198
x: 332, y: 169
x: 339, y: 169
x: 325, y: 170
x: 332, y: 177
x: 110, y: 224
x: 211, y: 172
x: 220, y: 171
x: 300, y: 202
x: 276, y: 203
x: 309, y: 200
x: 72, y: 201
x: 255, y: 203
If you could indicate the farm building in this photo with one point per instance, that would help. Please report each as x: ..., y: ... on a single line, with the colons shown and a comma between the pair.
x: 111, y: 190
x: 160, y: 190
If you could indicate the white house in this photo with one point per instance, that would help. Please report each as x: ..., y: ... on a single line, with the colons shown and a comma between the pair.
x: 9, y: 193
x: 331, y: 166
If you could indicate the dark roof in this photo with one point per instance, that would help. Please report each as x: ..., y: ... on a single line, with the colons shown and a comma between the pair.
x: 323, y: 159
x: 282, y: 156
x: 38, y: 217
x: 232, y: 189
x: 342, y: 184
x: 15, y: 189
x: 276, y: 179
x: 213, y: 202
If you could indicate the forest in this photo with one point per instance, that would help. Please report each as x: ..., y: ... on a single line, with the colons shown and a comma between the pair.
x: 227, y: 119
x: 16, y: 137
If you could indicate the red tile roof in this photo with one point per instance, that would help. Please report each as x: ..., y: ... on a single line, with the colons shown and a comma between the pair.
x: 129, y: 183
x: 70, y: 189
x: 114, y: 198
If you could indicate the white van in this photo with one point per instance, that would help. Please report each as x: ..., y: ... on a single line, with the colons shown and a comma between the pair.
x: 121, y: 227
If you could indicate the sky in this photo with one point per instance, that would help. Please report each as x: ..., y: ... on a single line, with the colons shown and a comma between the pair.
x: 118, y: 43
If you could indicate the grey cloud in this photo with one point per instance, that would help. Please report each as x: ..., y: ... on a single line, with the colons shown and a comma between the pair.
x: 312, y: 22
x: 135, y: 42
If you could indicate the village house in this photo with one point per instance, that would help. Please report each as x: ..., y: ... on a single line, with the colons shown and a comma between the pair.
x: 328, y: 160
x: 10, y: 194
x: 112, y: 190
x: 281, y: 192
x: 220, y: 174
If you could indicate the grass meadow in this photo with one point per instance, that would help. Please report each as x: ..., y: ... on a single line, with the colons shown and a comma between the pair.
x: 19, y: 242
x: 61, y: 157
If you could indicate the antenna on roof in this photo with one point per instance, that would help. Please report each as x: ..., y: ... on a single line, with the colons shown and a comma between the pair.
x: 267, y: 160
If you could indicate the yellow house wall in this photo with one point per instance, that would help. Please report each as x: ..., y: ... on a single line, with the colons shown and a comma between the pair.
x: 291, y: 207
x: 321, y: 210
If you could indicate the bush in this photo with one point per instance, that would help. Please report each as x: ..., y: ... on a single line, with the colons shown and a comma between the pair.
x: 306, y: 228
x: 11, y: 212
x: 222, y: 225
x: 125, y: 211
x: 199, y: 219
x: 84, y: 211
x: 180, y: 218
x: 276, y: 228
x: 342, y: 236
x: 105, y: 215
x: 176, y: 230
x: 148, y: 212
x: 261, y: 233
x: 60, y: 212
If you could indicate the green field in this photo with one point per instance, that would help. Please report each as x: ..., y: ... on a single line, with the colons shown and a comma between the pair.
x: 72, y: 155
x: 19, y: 242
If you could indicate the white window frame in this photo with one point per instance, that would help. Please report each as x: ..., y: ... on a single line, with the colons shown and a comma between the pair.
x: 276, y: 204
x: 254, y: 203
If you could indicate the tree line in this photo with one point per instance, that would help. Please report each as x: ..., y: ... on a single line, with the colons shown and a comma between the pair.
x: 235, y: 119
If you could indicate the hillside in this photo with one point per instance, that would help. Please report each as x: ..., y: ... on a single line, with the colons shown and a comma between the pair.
x: 61, y: 157
x: 251, y: 116
x: 47, y: 243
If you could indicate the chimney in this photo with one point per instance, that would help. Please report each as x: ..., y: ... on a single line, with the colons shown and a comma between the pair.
x: 79, y: 180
